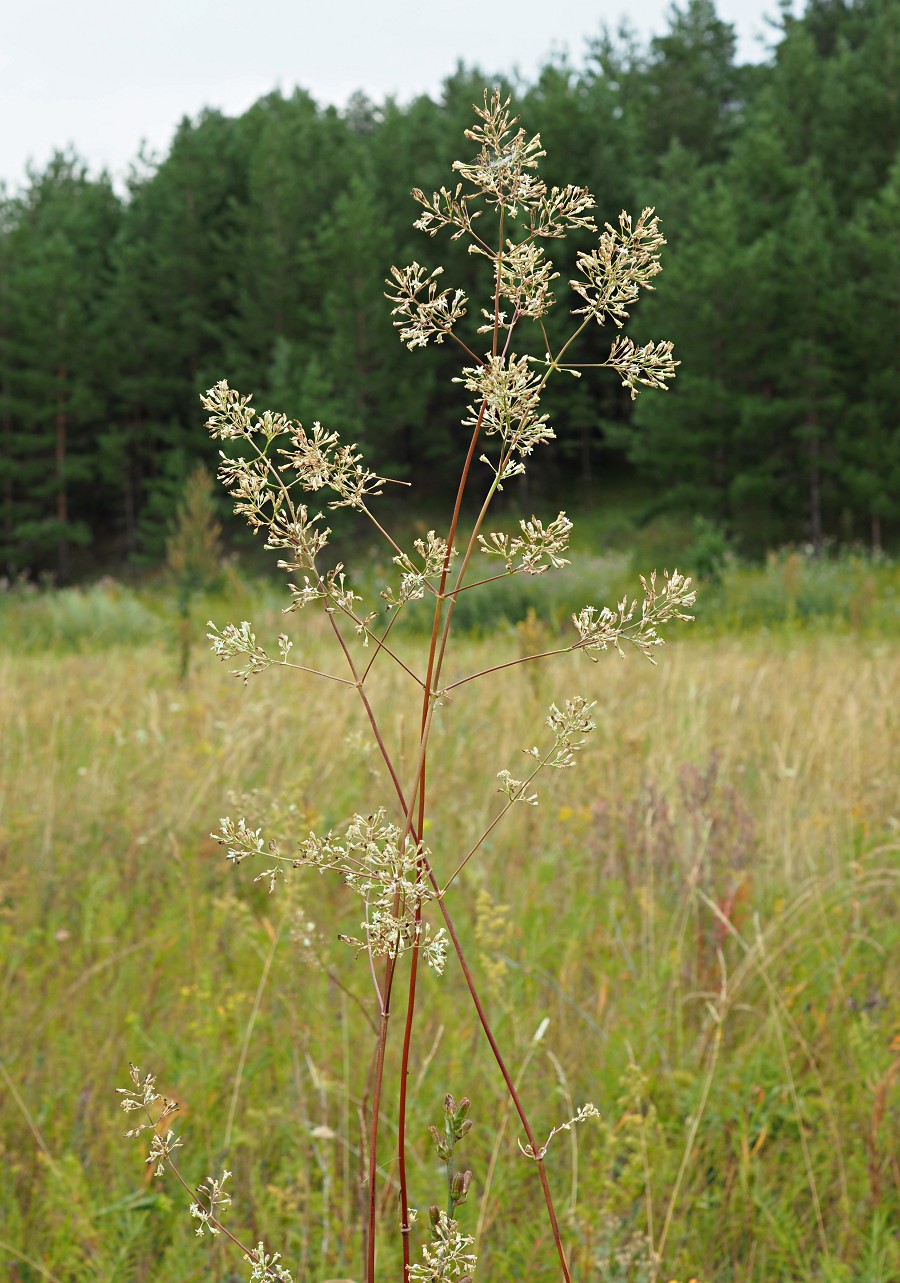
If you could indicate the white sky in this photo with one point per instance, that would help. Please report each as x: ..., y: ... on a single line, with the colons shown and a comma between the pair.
x: 103, y: 75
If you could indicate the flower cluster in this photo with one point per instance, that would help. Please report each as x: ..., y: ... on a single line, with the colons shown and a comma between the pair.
x: 445, y: 209
x: 266, y: 1267
x: 435, y: 555
x: 650, y: 365
x: 261, y: 491
x: 503, y: 171
x: 567, y: 724
x: 509, y: 394
x: 374, y: 860
x: 598, y: 630
x: 525, y: 279
x: 217, y: 1200
x: 625, y: 260
x: 581, y: 1115
x: 141, y: 1095
x: 234, y: 641
x: 539, y: 547
x: 423, y: 311
x: 446, y: 1257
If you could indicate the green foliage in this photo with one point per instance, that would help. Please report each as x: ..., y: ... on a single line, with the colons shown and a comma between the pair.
x: 78, y: 620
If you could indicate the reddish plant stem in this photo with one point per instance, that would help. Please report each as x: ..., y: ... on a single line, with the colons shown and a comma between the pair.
x: 507, y: 1078
x: 435, y: 663
x: 482, y: 1015
x: 419, y: 800
x: 376, y: 1109
x: 511, y: 663
x: 379, y: 645
x: 404, y: 1082
x: 378, y: 1077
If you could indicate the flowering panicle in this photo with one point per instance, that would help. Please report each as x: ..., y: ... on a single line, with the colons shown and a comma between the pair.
x: 561, y: 211
x: 598, y: 630
x: 526, y: 275
x: 509, y: 394
x: 538, y: 547
x: 581, y: 1115
x: 650, y: 365
x: 269, y: 462
x: 234, y: 641
x: 217, y: 1201
x: 414, y: 582
x: 301, y: 534
x: 266, y: 1267
x: 331, y: 588
x: 447, y: 1256
x: 423, y: 311
x: 625, y: 260
x: 503, y: 170
x: 567, y: 724
x: 374, y: 860
x: 445, y: 209
x: 259, y: 486
x: 141, y: 1095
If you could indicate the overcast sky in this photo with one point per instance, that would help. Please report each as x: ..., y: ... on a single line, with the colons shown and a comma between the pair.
x: 103, y: 75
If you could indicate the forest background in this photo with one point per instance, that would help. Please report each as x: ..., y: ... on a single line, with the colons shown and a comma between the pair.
x: 257, y: 247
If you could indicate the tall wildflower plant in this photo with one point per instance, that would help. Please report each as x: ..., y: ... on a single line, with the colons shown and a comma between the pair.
x: 508, y: 216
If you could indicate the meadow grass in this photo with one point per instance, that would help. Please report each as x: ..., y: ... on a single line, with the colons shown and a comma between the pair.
x: 706, y: 913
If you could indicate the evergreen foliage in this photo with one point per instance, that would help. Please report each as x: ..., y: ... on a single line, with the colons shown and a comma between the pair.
x: 258, y: 246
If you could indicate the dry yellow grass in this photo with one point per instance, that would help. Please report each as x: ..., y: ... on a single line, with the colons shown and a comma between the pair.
x: 125, y: 936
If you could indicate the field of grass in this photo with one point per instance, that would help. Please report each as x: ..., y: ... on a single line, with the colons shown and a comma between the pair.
x: 706, y: 911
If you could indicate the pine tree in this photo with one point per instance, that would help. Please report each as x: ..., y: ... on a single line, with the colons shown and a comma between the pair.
x: 56, y: 398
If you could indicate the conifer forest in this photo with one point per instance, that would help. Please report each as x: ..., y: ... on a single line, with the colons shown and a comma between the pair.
x: 259, y: 245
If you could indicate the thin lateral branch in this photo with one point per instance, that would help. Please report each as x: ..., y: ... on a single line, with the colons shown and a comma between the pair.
x: 498, y: 262
x: 375, y: 984
x: 301, y: 668
x: 434, y: 670
x: 512, y: 663
x: 520, y: 791
x: 378, y: 1080
x: 379, y: 642
x: 404, y: 1085
x: 336, y: 980
x: 223, y: 1229
x: 501, y: 1065
x: 478, y: 583
x: 379, y: 646
x: 479, y: 360
x: 380, y: 528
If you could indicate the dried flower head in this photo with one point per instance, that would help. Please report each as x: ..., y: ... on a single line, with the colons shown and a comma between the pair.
x: 447, y: 1256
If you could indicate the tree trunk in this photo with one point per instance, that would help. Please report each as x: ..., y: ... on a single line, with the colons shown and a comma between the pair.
x: 815, y: 485
x: 62, y: 493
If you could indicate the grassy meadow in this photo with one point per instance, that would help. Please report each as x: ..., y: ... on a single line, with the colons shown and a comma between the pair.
x: 706, y: 911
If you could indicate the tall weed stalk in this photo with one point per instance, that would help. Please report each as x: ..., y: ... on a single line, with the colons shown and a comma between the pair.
x: 507, y: 215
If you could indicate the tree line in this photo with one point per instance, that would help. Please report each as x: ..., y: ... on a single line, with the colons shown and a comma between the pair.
x: 257, y: 247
